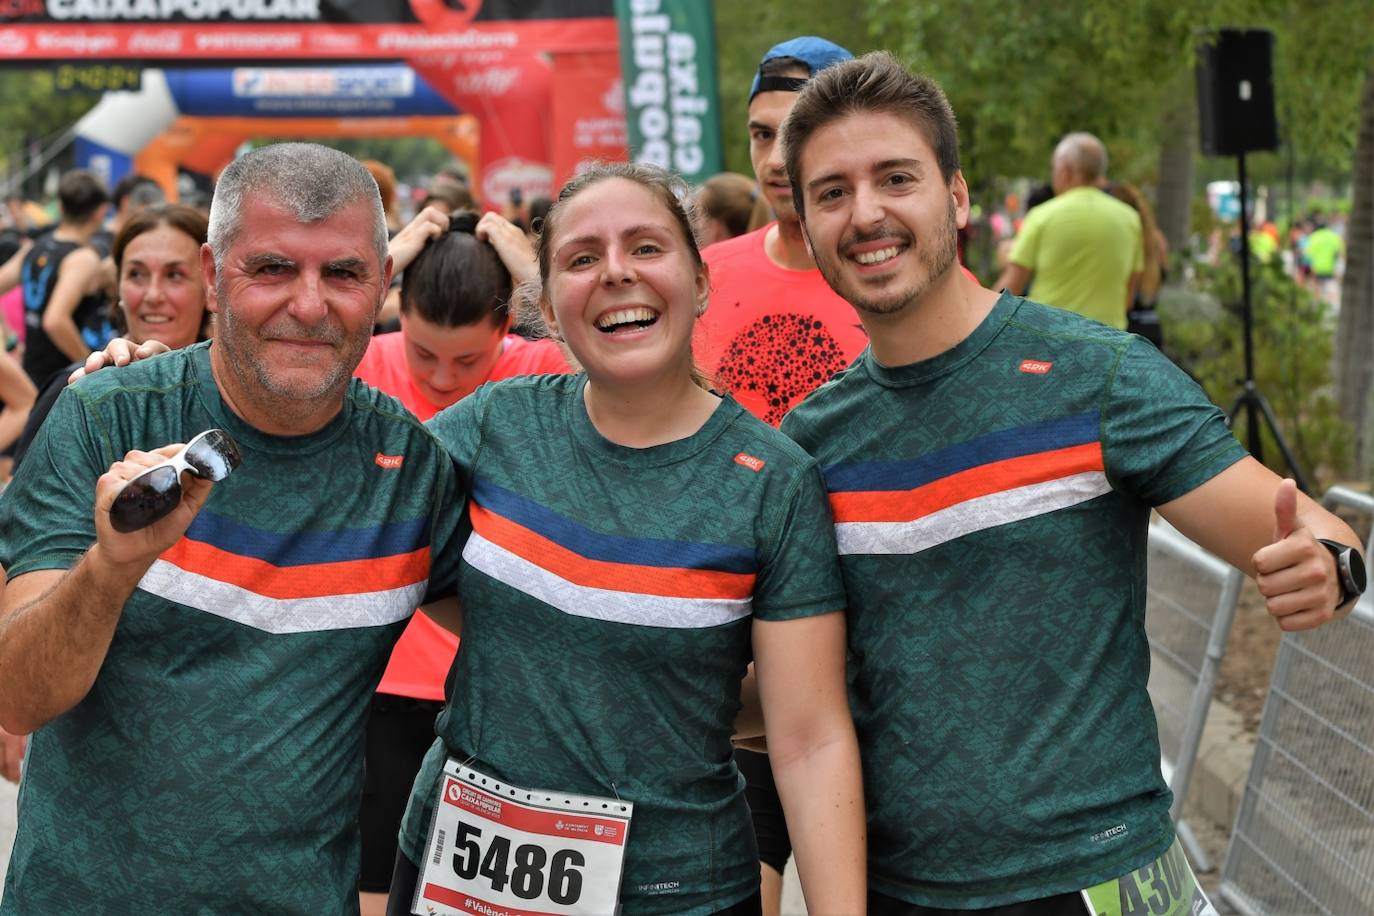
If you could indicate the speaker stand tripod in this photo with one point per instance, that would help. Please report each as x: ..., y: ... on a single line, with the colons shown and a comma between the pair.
x: 1251, y: 399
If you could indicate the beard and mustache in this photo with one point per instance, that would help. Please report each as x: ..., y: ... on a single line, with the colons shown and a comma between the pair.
x: 244, y: 345
x: 935, y: 255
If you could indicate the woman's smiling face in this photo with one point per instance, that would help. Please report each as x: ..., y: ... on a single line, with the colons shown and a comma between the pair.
x: 624, y: 283
x: 161, y: 286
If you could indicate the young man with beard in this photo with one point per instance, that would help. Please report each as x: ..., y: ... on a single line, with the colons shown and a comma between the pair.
x: 992, y: 464
x: 197, y: 688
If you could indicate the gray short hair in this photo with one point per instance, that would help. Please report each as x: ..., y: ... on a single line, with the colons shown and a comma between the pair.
x: 1084, y: 154
x: 313, y: 182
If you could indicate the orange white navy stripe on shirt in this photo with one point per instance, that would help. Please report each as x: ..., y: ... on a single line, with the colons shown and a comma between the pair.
x: 585, y: 573
x: 298, y: 582
x: 904, y: 507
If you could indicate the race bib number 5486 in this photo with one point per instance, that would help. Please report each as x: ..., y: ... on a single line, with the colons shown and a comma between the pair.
x: 501, y: 850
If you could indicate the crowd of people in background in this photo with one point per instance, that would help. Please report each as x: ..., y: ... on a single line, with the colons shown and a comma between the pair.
x: 1311, y: 248
x: 746, y: 506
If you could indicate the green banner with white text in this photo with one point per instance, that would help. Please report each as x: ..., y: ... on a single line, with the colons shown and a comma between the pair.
x: 668, y: 62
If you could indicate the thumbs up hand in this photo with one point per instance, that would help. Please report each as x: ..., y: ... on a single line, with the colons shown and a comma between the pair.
x: 1285, y: 509
x: 1296, y: 574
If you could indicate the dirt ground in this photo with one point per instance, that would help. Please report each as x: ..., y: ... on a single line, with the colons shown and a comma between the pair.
x: 1249, y: 658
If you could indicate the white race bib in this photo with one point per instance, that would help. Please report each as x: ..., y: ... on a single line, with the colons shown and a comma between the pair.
x: 500, y: 850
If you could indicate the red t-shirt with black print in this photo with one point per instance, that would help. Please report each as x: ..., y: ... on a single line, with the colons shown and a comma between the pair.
x: 771, y: 335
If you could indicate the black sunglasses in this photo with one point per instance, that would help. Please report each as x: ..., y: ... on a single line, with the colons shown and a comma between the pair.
x: 154, y: 493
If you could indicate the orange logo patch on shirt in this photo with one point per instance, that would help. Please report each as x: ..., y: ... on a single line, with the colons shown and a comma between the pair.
x: 749, y: 461
x: 1036, y: 366
x: 391, y: 462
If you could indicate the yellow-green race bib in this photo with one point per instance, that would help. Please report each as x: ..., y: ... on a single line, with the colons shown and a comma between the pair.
x: 1164, y: 887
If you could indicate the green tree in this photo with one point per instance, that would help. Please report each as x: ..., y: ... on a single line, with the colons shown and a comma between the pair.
x: 1292, y: 328
x: 744, y: 31
x: 1355, y: 331
x: 1021, y: 73
x: 31, y: 107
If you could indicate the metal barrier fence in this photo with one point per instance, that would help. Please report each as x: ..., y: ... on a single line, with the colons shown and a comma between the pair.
x: 1190, y: 606
x: 1303, y: 841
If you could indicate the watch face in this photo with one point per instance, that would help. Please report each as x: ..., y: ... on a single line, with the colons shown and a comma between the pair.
x: 1358, y: 577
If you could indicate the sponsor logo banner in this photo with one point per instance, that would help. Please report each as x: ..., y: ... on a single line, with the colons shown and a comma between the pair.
x: 672, y: 110
x: 440, y: 14
x: 298, y: 42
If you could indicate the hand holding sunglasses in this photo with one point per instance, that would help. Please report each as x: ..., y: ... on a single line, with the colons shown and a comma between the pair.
x: 153, y: 493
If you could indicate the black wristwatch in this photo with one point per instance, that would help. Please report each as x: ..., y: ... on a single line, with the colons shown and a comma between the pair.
x: 1350, y: 570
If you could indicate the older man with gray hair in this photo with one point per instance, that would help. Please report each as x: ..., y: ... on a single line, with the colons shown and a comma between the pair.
x: 196, y: 688
x: 1082, y: 249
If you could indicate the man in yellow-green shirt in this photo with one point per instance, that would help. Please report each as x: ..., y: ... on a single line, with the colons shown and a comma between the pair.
x: 1082, y: 248
x: 1323, y: 249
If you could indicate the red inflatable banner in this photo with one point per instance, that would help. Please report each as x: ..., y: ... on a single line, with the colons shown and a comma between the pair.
x: 541, y: 76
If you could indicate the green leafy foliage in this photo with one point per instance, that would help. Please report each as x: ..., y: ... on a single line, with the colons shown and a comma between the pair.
x: 1022, y: 73
x: 1203, y: 333
x: 744, y: 31
x: 31, y: 107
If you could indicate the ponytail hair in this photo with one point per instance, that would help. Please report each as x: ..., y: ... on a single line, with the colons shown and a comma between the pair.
x: 457, y: 280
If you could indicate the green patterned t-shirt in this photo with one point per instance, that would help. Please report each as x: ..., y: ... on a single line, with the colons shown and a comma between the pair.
x: 216, y: 764
x: 991, y: 508
x: 607, y: 594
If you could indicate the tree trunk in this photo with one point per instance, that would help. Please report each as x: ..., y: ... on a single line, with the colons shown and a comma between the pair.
x: 1355, y: 328
x: 1174, y: 196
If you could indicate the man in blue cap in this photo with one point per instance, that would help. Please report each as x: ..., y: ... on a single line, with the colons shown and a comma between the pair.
x: 774, y: 331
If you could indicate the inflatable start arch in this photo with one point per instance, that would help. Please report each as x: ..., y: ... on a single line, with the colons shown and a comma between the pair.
x: 197, y: 119
x: 522, y: 90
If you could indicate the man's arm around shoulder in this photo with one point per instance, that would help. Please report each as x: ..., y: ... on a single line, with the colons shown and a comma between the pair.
x: 1249, y: 517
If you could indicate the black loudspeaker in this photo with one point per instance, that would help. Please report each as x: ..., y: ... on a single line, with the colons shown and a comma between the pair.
x: 1235, y: 92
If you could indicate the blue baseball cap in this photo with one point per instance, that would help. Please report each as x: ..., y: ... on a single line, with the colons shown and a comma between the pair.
x: 814, y: 53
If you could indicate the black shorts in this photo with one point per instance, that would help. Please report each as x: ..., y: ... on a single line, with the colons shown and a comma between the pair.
x: 1058, y: 905
x: 770, y: 829
x: 399, y: 732
x: 408, y: 874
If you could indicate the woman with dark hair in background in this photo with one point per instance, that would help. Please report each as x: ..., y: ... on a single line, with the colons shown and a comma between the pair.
x: 459, y: 273
x: 724, y: 207
x: 1142, y: 318
x: 161, y: 293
